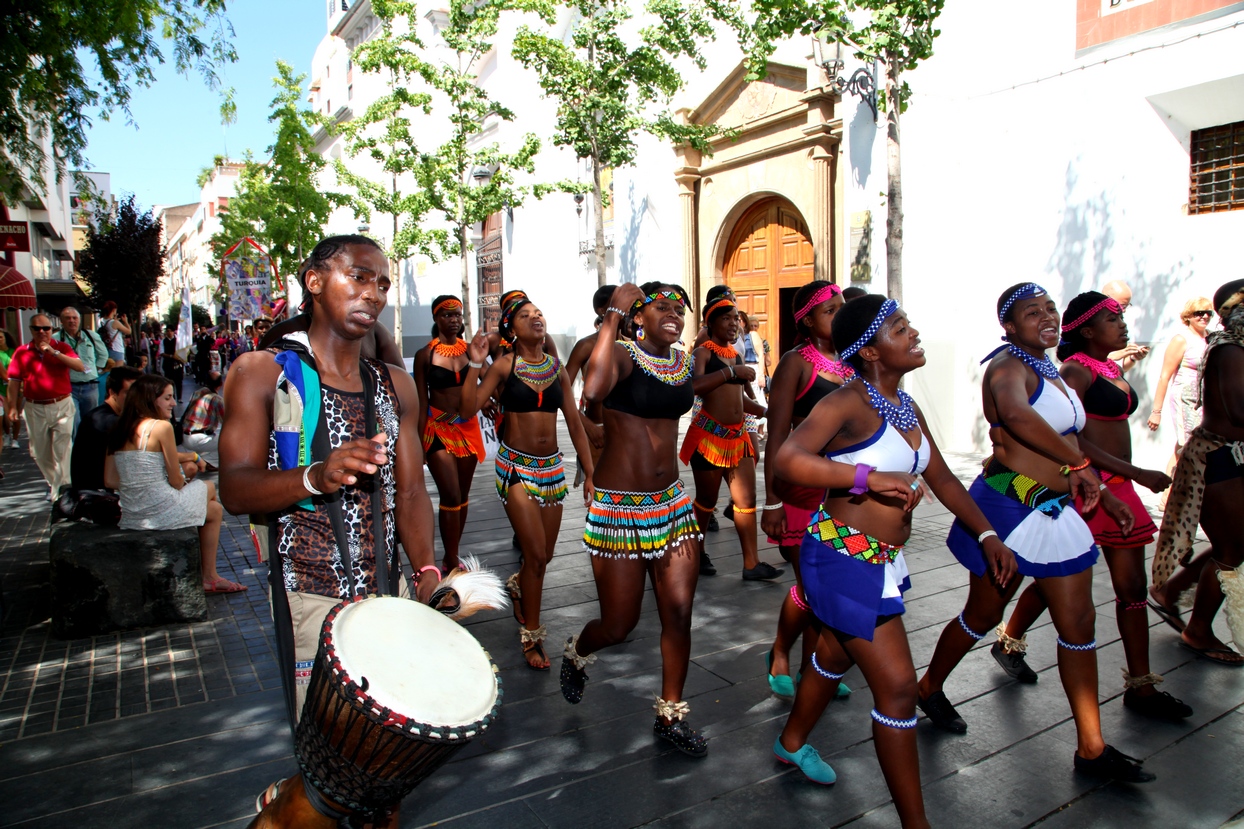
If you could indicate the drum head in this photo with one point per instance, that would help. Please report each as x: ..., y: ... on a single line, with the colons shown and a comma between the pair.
x: 417, y: 662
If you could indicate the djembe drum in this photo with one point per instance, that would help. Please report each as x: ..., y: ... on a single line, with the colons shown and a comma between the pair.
x: 396, y: 690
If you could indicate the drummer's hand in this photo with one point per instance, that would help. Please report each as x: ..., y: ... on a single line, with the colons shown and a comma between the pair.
x: 346, y: 462
x: 426, y: 585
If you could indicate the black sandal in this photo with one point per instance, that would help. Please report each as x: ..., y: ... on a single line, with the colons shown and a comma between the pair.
x: 573, y: 677
x: 533, y: 641
x: 516, y: 596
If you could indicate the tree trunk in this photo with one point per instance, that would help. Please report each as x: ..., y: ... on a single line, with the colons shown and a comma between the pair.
x: 894, y: 181
x: 395, y: 277
x: 600, y: 224
x: 466, y: 282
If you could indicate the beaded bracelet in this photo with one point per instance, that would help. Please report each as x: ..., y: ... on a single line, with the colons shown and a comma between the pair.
x: 768, y: 507
x: 617, y: 311
x: 1067, y: 470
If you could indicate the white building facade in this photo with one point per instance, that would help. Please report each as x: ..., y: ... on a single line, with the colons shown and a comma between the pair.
x: 1049, y: 144
x: 188, y: 231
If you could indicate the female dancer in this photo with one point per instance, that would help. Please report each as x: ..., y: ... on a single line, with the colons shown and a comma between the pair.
x: 532, y: 387
x: 717, y: 444
x: 452, y: 442
x: 1026, y: 490
x: 874, y: 444
x: 143, y: 468
x: 641, y: 522
x: 803, y: 376
x: 1093, y: 329
x: 1209, y: 488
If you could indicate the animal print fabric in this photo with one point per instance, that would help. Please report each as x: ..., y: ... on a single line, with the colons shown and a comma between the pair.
x: 312, y: 562
x: 1183, y: 506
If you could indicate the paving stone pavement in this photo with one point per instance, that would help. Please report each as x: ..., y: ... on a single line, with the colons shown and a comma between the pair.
x: 181, y: 726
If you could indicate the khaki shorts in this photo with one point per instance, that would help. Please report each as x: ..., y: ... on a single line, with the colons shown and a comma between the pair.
x: 307, y: 612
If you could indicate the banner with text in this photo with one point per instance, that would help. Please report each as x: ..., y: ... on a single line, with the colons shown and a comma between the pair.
x: 247, y: 270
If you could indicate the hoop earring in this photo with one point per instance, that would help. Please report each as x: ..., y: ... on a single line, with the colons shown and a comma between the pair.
x: 639, y: 333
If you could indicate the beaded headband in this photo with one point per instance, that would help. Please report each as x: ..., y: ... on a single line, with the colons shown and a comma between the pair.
x: 888, y: 307
x: 721, y: 303
x: 1109, y: 304
x: 451, y: 303
x: 655, y: 295
x: 826, y: 293
x: 507, y: 316
x: 1022, y: 292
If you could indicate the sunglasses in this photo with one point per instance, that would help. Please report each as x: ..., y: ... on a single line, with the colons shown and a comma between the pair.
x: 1203, y: 314
x: 40, y: 328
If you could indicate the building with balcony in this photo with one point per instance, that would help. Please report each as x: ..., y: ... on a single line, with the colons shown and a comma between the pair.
x: 188, y: 231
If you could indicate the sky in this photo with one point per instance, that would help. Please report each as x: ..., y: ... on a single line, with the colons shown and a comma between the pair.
x: 178, y: 118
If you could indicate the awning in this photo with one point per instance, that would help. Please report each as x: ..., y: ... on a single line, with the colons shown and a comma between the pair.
x: 16, y: 291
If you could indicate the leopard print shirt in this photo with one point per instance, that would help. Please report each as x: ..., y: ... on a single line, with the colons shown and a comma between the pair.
x: 312, y: 562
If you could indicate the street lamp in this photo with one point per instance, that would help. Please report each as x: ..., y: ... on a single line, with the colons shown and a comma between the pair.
x: 862, y: 82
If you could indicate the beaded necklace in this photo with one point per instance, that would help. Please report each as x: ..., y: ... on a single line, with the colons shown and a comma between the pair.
x: 456, y: 350
x: 672, y: 370
x: 1042, y: 366
x: 1106, y: 368
x: 902, y: 417
x: 821, y: 363
x: 725, y: 352
x: 538, y: 374
x: 451, y: 351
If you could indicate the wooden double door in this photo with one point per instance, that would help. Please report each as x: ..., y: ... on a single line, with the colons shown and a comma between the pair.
x: 768, y: 258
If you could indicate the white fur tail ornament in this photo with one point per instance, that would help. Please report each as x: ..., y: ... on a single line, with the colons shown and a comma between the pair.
x: 468, y: 590
x: 1233, y: 592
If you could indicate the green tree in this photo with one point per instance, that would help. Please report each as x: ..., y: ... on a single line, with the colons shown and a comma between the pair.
x: 609, y: 86
x: 198, y: 315
x: 47, y: 95
x: 899, y: 33
x: 123, y: 260
x: 279, y: 203
x: 447, y: 174
x: 383, y: 133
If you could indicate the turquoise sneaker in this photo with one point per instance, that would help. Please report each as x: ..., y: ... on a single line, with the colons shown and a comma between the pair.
x: 808, y: 761
x: 781, y: 686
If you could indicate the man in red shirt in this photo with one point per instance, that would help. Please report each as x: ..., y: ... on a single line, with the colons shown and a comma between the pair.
x: 39, y: 384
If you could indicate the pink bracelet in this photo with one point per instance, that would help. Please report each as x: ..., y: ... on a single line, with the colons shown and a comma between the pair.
x: 424, y: 569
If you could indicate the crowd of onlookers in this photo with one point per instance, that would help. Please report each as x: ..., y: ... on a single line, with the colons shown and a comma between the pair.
x: 100, y: 405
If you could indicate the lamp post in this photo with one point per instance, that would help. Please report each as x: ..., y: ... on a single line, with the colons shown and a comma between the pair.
x: 863, y: 81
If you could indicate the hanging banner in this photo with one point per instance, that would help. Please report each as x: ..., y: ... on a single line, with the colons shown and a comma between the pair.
x: 248, y: 272
x: 185, y: 334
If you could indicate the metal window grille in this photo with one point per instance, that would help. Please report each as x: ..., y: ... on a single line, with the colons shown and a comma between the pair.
x: 1217, y: 181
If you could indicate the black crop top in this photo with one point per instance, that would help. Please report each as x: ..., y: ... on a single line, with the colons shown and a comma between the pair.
x: 1104, y: 400
x: 811, y: 395
x: 440, y: 378
x: 644, y: 395
x: 518, y: 396
x: 716, y: 364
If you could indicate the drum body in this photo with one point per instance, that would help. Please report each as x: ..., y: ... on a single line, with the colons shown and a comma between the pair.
x: 396, y: 689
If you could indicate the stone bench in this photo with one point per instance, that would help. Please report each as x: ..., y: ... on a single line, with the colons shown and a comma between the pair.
x: 105, y: 579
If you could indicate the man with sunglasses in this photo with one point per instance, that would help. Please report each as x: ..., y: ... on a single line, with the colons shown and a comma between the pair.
x: 39, y: 385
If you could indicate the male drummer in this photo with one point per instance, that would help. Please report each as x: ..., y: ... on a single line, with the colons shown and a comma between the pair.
x: 347, y: 279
